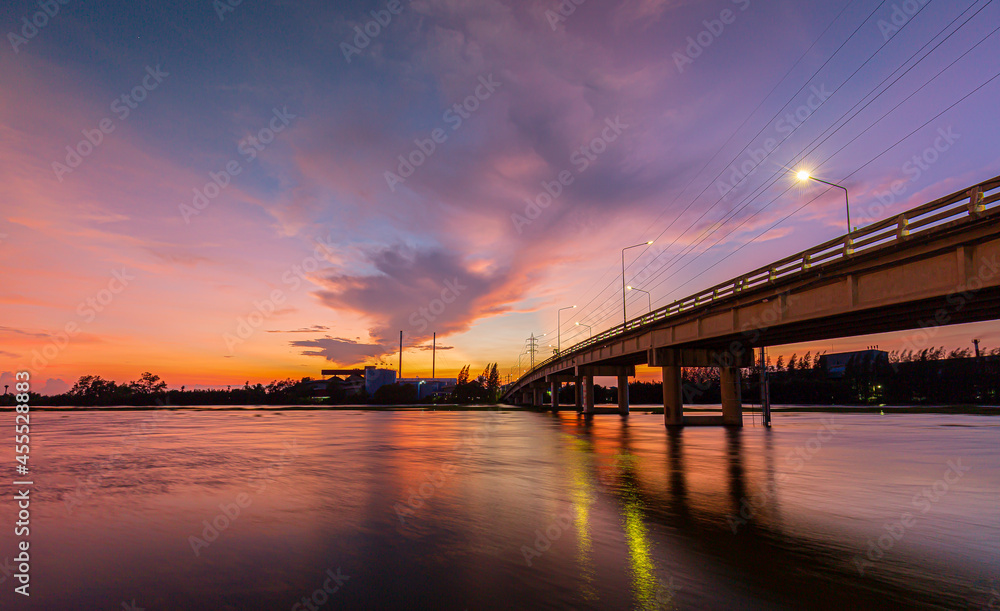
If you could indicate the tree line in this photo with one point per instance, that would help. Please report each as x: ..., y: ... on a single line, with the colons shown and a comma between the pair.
x: 932, y: 376
x: 150, y: 390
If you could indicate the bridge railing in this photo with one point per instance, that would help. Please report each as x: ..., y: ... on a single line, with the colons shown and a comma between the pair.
x: 961, y: 205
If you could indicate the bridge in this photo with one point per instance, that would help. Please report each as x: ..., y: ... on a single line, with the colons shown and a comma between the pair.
x: 933, y: 265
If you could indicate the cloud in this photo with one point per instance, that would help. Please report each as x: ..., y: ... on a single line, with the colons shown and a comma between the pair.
x: 20, y: 332
x: 420, y: 291
x: 312, y: 329
x: 339, y: 350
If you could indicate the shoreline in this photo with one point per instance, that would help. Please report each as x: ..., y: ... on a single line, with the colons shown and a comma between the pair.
x: 980, y: 410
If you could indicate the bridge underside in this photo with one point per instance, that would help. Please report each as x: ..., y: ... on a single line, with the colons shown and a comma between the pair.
x: 950, y: 275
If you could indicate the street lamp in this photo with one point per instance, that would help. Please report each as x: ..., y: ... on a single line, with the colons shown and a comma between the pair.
x: 804, y: 175
x: 589, y: 330
x: 632, y: 288
x: 624, y: 315
x: 559, y: 325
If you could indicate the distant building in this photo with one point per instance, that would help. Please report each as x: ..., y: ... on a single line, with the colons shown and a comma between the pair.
x: 368, y: 379
x: 377, y: 378
x: 371, y: 379
x: 428, y: 387
x: 835, y: 365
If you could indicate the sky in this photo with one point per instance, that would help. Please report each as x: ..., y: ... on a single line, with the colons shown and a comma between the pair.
x: 221, y: 194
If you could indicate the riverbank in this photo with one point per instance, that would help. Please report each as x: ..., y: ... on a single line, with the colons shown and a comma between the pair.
x: 980, y: 410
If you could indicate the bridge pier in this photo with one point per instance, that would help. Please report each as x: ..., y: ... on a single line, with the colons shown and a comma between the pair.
x: 732, y: 406
x: 588, y: 395
x: 578, y: 394
x: 673, y: 397
x: 623, y: 392
x: 556, y: 386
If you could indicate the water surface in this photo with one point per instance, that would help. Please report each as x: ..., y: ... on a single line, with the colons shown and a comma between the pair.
x: 485, y: 510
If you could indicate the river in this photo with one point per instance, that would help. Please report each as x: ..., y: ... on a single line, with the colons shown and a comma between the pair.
x: 353, y: 509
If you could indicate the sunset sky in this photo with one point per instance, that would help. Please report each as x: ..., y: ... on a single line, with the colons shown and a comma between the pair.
x: 219, y: 194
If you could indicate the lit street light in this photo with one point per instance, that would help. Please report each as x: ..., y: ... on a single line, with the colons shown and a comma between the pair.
x: 632, y: 288
x: 559, y: 327
x: 624, y: 315
x: 804, y: 175
x: 589, y: 330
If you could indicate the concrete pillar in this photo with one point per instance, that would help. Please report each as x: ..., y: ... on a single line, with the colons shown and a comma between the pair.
x: 588, y: 395
x: 623, y: 394
x: 673, y: 396
x: 732, y: 405
x: 555, y: 396
x: 578, y: 393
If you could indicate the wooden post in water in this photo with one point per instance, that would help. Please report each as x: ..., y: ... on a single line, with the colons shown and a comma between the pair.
x: 765, y: 389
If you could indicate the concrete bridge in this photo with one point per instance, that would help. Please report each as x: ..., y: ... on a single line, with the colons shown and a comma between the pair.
x: 936, y: 264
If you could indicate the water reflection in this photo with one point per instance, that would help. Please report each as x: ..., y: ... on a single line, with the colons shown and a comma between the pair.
x: 646, y: 512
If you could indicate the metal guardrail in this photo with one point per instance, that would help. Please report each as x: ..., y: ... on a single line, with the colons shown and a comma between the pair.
x: 961, y: 205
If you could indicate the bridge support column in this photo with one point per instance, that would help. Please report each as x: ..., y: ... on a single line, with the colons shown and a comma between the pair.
x: 588, y: 395
x: 556, y: 386
x: 623, y: 393
x: 732, y: 405
x: 578, y: 394
x: 673, y: 397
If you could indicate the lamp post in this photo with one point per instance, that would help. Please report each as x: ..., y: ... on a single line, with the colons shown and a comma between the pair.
x: 589, y: 330
x: 632, y: 288
x: 804, y: 175
x: 624, y: 315
x: 559, y: 325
